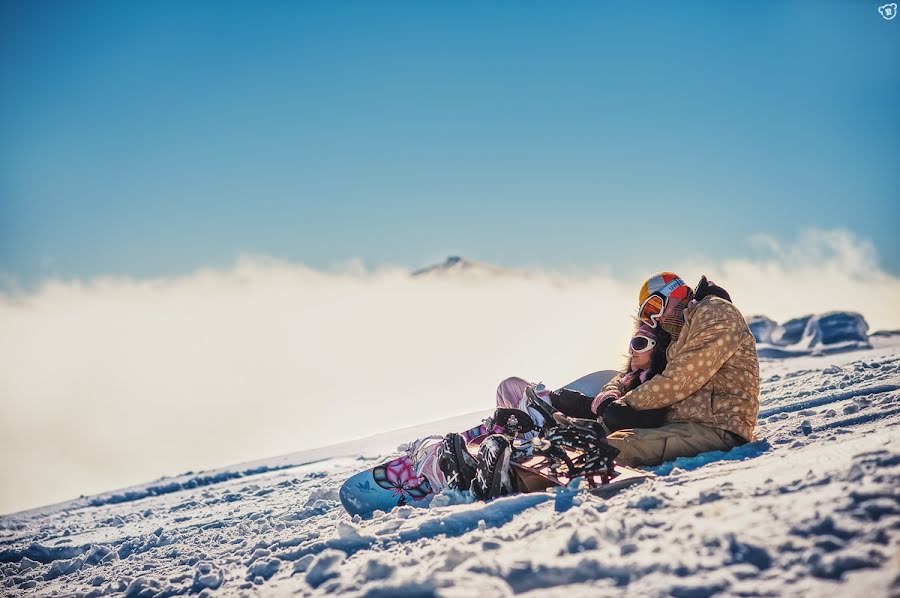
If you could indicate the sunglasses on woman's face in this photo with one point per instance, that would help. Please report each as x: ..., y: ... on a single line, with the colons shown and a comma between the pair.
x: 641, y: 344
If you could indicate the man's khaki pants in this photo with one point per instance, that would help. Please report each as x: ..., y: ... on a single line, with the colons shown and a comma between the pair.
x: 652, y: 446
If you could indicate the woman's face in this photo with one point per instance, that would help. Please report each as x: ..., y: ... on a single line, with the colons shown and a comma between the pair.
x: 640, y: 361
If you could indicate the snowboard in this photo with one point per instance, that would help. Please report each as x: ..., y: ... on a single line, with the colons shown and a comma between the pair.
x: 397, y: 483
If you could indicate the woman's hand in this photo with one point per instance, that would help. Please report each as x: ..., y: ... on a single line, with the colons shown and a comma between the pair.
x: 603, y: 399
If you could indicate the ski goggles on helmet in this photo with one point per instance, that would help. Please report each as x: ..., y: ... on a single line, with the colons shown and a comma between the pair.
x: 653, y: 306
x: 651, y: 309
x: 641, y: 344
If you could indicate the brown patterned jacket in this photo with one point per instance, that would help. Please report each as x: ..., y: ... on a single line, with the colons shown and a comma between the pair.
x: 712, y: 376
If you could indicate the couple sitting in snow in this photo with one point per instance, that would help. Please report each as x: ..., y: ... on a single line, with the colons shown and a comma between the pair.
x: 691, y: 385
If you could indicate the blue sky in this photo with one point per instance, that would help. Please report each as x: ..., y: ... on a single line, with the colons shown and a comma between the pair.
x: 154, y: 138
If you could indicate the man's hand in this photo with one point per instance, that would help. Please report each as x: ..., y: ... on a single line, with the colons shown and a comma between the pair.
x: 604, y: 399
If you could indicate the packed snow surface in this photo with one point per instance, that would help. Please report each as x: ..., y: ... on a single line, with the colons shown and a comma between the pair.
x: 809, y: 509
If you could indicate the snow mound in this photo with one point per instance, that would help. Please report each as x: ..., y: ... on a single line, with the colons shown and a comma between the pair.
x: 791, y: 332
x: 762, y: 328
x: 820, y: 334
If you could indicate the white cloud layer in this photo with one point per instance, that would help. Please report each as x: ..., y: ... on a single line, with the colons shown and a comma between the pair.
x: 115, y: 381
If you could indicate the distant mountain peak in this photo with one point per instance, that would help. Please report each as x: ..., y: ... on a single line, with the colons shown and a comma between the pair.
x: 456, y: 264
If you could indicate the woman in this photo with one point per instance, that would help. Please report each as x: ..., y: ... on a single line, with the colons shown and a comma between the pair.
x: 647, y: 357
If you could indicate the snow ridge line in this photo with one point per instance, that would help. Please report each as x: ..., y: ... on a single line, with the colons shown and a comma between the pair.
x: 493, y: 514
x: 833, y: 398
x: 192, y: 482
x: 859, y: 419
x: 43, y: 554
x: 70, y: 558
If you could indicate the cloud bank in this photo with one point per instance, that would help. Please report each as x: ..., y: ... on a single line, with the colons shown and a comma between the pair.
x: 113, y: 381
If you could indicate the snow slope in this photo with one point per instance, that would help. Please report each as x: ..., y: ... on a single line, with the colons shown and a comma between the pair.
x: 810, y: 509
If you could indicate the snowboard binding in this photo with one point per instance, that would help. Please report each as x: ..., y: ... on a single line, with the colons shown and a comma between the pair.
x: 514, y: 422
x: 577, y: 448
x: 573, y: 447
x: 544, y: 409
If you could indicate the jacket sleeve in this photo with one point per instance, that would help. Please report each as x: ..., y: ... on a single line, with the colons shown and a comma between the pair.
x: 715, y: 333
x: 613, y: 385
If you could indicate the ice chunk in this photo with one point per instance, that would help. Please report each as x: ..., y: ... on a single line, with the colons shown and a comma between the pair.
x: 790, y: 332
x: 207, y: 576
x: 325, y: 567
x: 264, y: 567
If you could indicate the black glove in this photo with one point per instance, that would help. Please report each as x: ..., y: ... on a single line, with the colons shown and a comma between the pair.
x: 706, y: 288
x: 619, y: 416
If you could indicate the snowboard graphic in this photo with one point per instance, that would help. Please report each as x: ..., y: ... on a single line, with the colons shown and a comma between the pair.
x: 401, y: 482
x: 392, y: 484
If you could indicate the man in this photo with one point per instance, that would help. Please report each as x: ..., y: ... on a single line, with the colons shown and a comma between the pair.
x: 710, y: 384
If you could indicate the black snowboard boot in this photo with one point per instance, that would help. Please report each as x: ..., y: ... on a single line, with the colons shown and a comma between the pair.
x: 457, y: 465
x: 494, y: 475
